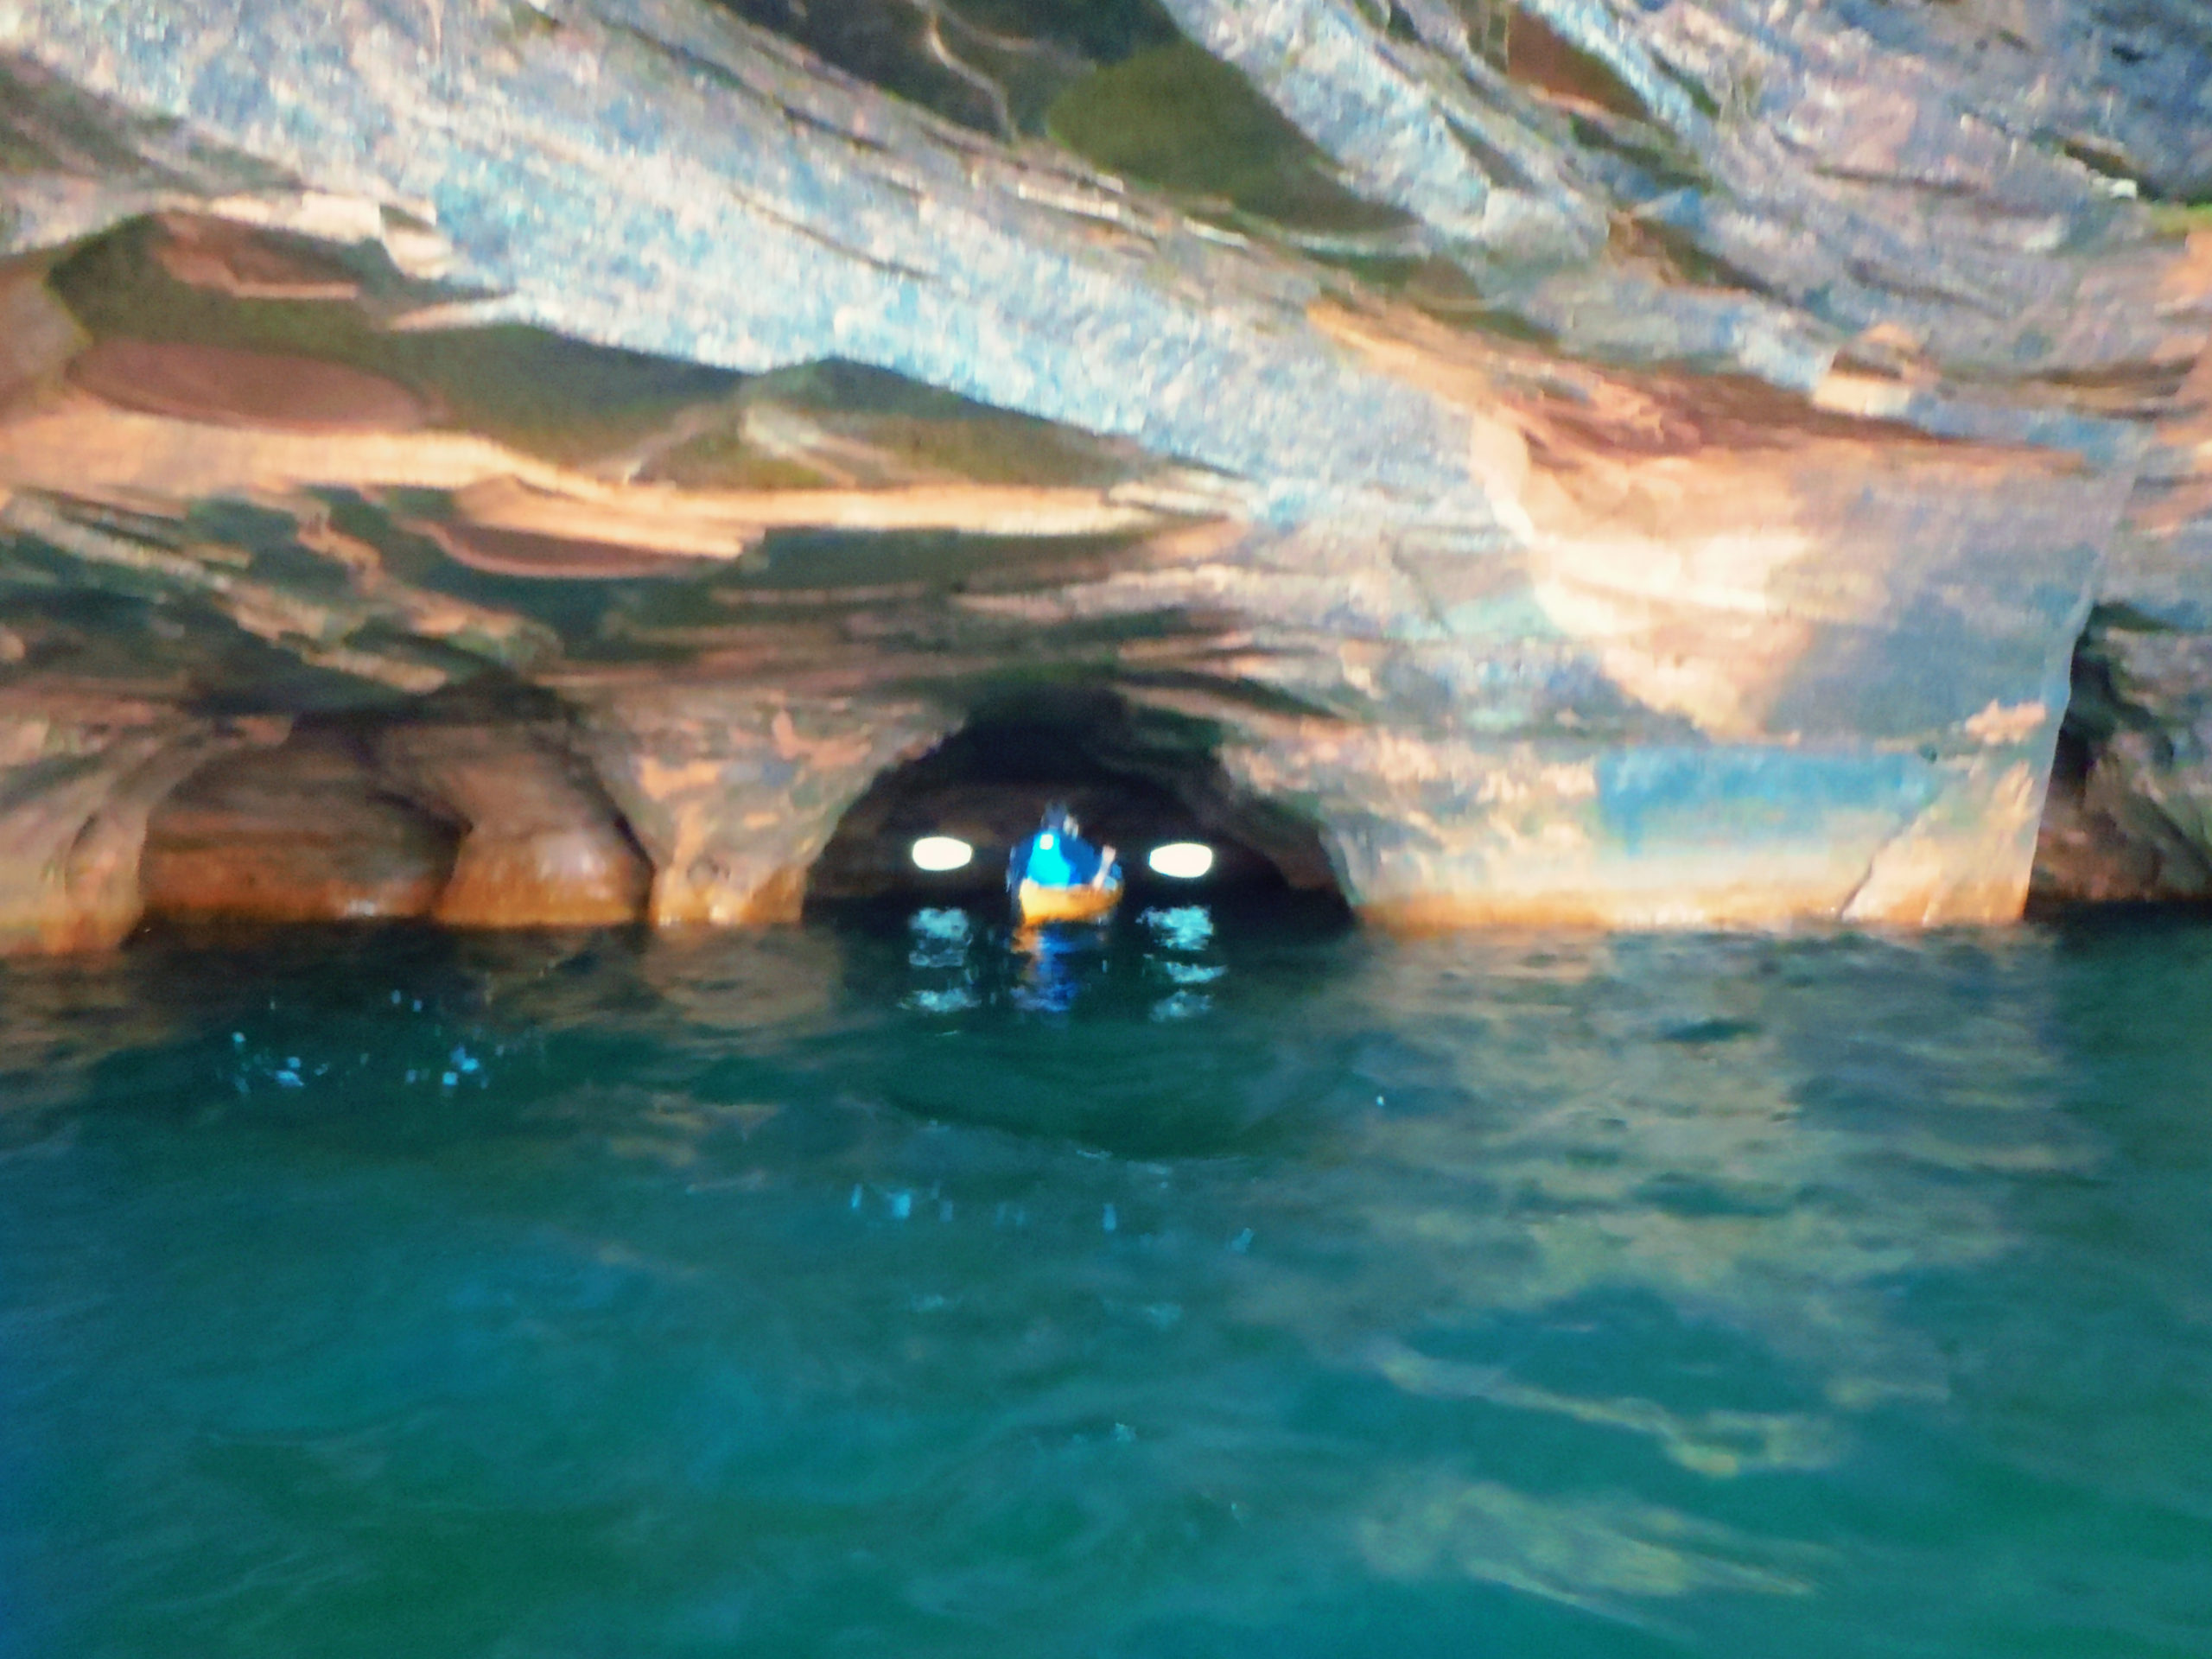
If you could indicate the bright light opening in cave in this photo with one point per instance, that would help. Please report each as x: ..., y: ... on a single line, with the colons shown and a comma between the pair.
x: 1183, y: 861
x: 942, y: 853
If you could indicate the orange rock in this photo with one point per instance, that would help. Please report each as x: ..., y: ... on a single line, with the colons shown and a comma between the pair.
x: 524, y: 553
x: 734, y: 789
x: 307, y: 832
x: 232, y: 259
x: 544, y: 847
x: 79, y: 775
x: 223, y: 387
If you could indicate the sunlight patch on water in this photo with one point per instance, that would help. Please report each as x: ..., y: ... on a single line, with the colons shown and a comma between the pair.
x: 1181, y: 861
x: 1721, y: 1444
x: 1592, y: 1554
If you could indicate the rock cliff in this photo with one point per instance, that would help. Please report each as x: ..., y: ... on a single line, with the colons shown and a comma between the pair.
x: 1630, y: 461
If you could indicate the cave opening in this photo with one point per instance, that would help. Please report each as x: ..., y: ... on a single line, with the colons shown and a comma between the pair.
x: 2115, y: 830
x: 1148, y: 784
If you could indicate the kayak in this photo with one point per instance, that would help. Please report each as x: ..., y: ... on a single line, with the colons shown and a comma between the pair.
x: 1035, y: 902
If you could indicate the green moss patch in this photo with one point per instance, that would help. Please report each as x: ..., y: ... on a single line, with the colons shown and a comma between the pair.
x: 550, y: 396
x: 1177, y: 118
x: 2180, y: 218
x: 721, y: 460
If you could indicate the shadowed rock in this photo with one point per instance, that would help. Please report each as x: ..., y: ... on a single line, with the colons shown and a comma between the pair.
x: 541, y: 847
x: 733, y: 792
x: 307, y: 832
x: 79, y: 775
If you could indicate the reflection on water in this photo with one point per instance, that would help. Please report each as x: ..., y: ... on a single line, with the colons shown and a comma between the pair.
x: 946, y: 976
x: 1203, y: 1283
x: 1179, y: 955
x: 1052, y: 959
x: 961, y: 962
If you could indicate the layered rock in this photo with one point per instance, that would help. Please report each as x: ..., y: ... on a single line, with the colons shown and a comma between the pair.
x: 2130, y: 802
x: 79, y: 777
x: 733, y: 792
x: 306, y: 832
x: 2128, y: 821
x: 1579, y: 460
x: 542, y: 847
x: 467, y: 824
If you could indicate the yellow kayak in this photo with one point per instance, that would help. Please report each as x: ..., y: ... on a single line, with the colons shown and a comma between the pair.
x: 1035, y: 903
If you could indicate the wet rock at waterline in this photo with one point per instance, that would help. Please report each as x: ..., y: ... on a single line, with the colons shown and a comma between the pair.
x: 305, y: 831
x: 1553, y: 462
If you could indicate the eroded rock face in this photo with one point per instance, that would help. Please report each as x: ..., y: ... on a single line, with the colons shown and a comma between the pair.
x: 308, y: 831
x: 469, y: 824
x: 216, y: 386
x: 78, y: 778
x: 733, y: 793
x: 542, y: 846
x: 1579, y: 462
x: 2129, y: 820
x: 2131, y: 816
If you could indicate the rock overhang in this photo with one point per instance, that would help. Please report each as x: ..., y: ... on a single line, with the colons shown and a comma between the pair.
x: 1726, y: 567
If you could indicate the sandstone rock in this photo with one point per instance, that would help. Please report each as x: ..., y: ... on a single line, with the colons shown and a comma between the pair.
x: 526, y: 553
x: 79, y: 774
x: 1668, y: 490
x: 224, y: 387
x: 1766, y: 692
x: 542, y: 846
x: 2100, y: 843
x: 37, y: 336
x: 211, y: 253
x: 2131, y: 819
x: 733, y: 792
x: 306, y: 832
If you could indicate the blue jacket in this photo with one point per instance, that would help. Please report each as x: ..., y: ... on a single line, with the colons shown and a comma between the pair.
x: 1053, y: 859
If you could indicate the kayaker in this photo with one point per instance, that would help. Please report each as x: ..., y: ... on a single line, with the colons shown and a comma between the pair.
x: 1059, y: 857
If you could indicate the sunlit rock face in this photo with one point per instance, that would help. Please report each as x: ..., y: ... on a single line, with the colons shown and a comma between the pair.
x: 1578, y: 460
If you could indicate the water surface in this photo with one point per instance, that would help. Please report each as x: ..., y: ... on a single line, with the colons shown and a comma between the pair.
x: 1231, y: 1284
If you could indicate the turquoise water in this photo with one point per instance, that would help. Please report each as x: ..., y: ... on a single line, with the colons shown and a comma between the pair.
x: 1236, y: 1285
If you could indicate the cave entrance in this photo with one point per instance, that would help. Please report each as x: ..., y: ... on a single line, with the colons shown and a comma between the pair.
x: 1136, y: 779
x: 2109, y: 834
